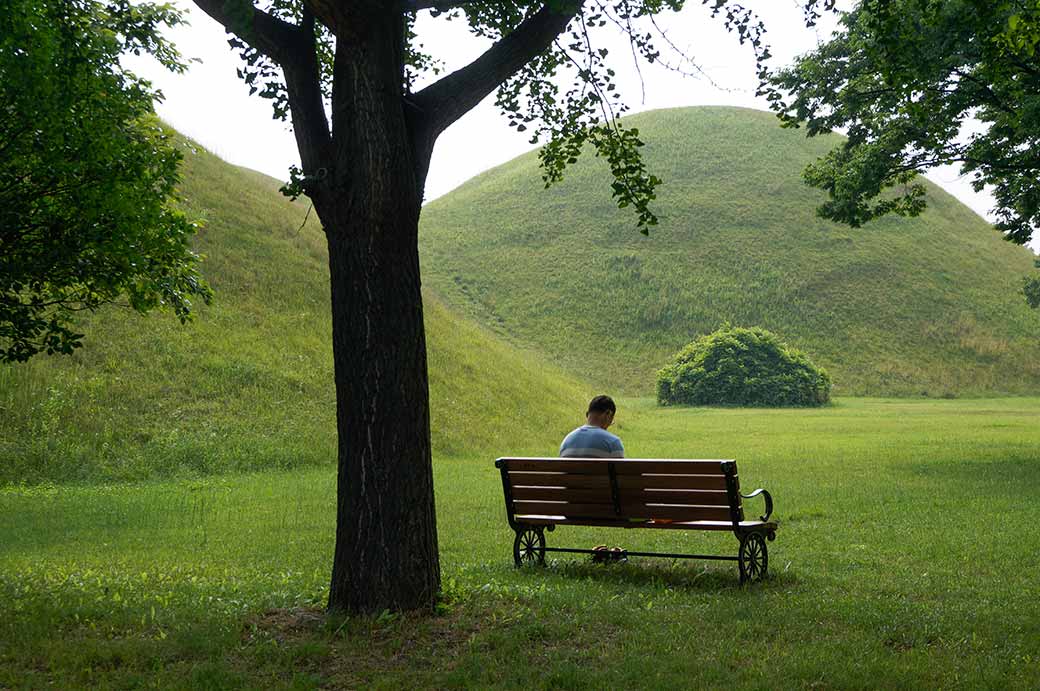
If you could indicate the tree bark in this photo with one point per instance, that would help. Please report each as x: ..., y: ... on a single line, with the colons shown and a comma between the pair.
x: 386, y: 542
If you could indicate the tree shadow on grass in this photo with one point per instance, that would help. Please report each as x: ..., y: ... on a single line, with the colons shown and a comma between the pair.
x: 470, y: 643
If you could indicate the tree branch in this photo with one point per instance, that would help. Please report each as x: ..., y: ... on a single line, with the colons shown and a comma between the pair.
x: 292, y: 48
x: 306, y: 104
x: 336, y: 15
x: 439, y: 5
x: 449, y: 98
x: 272, y: 36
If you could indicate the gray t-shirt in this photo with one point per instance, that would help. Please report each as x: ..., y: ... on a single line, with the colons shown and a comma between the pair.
x: 589, y: 441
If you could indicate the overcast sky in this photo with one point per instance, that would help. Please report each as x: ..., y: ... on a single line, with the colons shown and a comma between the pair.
x: 211, y: 104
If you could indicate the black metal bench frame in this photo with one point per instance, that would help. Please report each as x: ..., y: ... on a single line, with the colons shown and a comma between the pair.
x: 684, y: 477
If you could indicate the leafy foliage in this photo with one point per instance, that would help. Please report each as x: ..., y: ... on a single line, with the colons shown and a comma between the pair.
x: 904, y: 77
x: 534, y: 100
x: 86, y: 173
x: 738, y: 366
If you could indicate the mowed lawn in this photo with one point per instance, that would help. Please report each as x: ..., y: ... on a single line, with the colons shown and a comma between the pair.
x: 906, y: 557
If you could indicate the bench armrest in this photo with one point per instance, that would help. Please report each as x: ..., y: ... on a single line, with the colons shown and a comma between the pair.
x: 769, y: 502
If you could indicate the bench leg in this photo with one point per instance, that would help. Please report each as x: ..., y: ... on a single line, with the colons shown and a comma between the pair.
x: 529, y: 546
x: 753, y: 558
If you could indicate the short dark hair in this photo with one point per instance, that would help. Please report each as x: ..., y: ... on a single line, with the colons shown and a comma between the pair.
x: 601, y: 404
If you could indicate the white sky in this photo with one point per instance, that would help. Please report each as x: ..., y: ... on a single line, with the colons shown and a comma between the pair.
x: 211, y: 104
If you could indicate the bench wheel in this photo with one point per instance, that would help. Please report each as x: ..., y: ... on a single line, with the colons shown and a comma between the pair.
x: 753, y: 558
x: 529, y: 546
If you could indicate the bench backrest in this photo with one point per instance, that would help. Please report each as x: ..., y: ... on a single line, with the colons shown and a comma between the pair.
x: 613, y: 491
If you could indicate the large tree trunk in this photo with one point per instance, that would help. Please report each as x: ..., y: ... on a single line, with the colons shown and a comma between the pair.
x: 366, y: 179
x: 386, y: 541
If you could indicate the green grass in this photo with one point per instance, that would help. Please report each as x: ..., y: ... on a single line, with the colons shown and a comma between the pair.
x: 910, y: 307
x: 248, y: 385
x: 140, y: 546
x: 904, y: 558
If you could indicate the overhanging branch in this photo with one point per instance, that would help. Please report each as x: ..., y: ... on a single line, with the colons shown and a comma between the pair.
x: 303, y: 85
x: 449, y: 98
x: 272, y: 36
x: 292, y: 48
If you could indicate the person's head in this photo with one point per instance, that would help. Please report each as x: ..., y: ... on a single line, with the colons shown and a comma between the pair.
x: 601, y: 411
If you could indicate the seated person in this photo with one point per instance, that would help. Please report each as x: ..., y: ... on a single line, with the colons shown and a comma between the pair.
x: 592, y: 440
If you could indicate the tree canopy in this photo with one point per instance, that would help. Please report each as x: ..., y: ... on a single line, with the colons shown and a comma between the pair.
x: 904, y: 78
x: 87, y: 173
x: 553, y: 78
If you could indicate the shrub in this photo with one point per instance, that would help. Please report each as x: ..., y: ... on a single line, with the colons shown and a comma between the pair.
x: 740, y: 366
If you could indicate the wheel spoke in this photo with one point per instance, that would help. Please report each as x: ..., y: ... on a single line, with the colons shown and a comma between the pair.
x: 752, y: 557
x: 528, y: 546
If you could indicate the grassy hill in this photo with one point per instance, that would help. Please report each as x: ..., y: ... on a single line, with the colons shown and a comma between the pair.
x: 925, y: 306
x: 249, y: 385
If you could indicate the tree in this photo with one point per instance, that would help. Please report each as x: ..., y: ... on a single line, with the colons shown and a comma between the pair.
x: 344, y: 72
x: 86, y: 173
x: 904, y: 77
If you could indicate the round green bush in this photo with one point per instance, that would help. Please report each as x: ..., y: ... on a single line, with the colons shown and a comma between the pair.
x: 740, y: 366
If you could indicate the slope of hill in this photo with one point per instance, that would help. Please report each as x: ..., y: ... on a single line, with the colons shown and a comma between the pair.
x: 904, y: 306
x: 249, y: 385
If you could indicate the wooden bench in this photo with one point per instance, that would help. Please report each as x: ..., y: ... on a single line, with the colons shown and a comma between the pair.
x: 542, y: 493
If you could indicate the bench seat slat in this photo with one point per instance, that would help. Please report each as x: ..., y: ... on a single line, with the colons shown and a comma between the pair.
x: 580, y: 495
x: 529, y: 479
x: 717, y: 482
x: 625, y: 466
x: 584, y: 467
x: 676, y: 512
x: 706, y: 497
x: 588, y: 510
x: 637, y: 482
x: 630, y: 467
x: 628, y: 511
x: 599, y: 495
x: 542, y: 519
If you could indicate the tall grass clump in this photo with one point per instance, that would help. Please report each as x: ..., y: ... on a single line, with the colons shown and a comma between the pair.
x: 741, y: 366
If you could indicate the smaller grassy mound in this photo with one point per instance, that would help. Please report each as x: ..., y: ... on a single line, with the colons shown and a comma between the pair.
x: 738, y: 366
x: 249, y: 384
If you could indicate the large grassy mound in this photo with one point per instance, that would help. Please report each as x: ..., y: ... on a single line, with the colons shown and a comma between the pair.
x: 905, y: 306
x: 249, y: 384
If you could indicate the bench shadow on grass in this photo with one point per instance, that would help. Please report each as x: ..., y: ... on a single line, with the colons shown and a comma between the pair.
x: 692, y: 576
